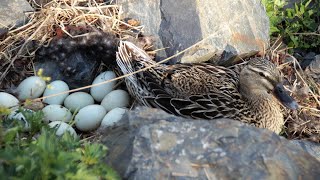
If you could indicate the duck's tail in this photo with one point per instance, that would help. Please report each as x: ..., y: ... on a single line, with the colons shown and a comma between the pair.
x: 137, y: 64
x: 130, y: 58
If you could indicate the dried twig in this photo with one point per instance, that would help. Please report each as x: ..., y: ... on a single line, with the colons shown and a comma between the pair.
x: 307, y: 34
x: 42, y: 26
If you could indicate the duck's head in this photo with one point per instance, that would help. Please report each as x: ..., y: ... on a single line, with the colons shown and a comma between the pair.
x: 260, y: 77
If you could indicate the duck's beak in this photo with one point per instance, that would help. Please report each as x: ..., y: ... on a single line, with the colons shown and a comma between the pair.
x: 283, y: 96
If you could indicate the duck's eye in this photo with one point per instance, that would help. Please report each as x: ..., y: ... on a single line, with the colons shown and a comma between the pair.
x: 261, y: 74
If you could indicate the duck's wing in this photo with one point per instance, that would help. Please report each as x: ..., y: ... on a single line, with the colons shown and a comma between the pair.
x: 184, y: 80
x: 196, y: 90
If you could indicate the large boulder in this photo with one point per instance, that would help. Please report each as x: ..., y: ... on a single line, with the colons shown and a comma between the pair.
x: 231, y: 28
x: 313, y: 69
x: 12, y: 14
x: 311, y: 147
x: 151, y: 144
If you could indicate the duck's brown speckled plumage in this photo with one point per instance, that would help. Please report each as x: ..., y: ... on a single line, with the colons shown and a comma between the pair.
x: 203, y: 90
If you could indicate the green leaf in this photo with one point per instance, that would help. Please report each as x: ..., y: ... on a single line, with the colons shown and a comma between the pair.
x: 10, y: 134
x: 274, y: 29
x: 296, y: 7
x: 310, y: 12
x: 52, y: 157
x: 302, y: 9
x: 280, y: 3
x: 294, y: 39
x: 307, y: 3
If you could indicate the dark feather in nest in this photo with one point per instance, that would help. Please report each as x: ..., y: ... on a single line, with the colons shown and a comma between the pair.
x: 93, y: 42
x: 74, y: 59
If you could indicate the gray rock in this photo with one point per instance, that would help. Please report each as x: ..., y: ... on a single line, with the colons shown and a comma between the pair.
x: 313, y: 69
x: 151, y: 144
x: 42, y: 2
x: 232, y: 27
x: 12, y: 14
x: 305, y: 59
x: 310, y: 147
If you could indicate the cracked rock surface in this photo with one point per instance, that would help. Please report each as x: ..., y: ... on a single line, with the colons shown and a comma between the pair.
x: 232, y: 28
x: 12, y: 14
x: 151, y: 144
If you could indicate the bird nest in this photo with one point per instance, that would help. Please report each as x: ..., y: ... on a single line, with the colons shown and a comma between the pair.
x: 18, y: 47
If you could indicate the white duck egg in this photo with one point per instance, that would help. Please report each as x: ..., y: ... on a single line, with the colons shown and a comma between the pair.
x: 62, y: 127
x: 116, y: 98
x: 56, y: 87
x: 7, y: 100
x: 89, y: 118
x: 99, y: 92
x: 30, y: 88
x: 18, y: 115
x: 113, y: 117
x: 56, y: 112
x: 78, y: 100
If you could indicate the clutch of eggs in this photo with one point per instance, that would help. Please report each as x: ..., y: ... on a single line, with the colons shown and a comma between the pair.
x: 103, y: 105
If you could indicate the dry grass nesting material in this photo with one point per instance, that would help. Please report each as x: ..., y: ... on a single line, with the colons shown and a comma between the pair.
x: 304, y: 123
x: 18, y: 46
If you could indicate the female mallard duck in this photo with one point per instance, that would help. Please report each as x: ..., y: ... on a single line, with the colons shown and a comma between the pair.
x: 248, y: 93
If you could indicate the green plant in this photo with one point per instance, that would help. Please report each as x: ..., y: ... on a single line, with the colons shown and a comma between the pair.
x: 298, y: 25
x: 43, y: 155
